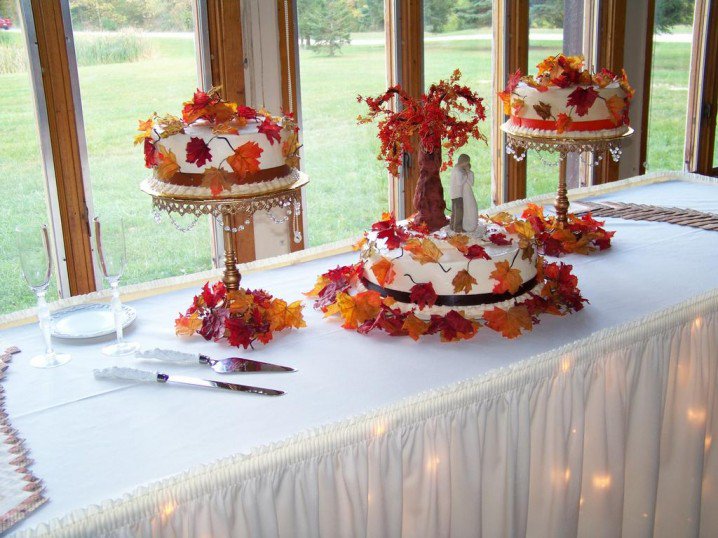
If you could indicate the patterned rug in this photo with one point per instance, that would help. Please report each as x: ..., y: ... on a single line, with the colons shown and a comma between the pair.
x: 20, y: 491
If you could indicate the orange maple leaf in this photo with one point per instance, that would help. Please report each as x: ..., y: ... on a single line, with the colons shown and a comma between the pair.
x: 283, y: 315
x: 459, y: 241
x: 359, y: 308
x: 509, y: 322
x: 615, y: 106
x: 563, y: 121
x: 463, y: 281
x: 414, y: 326
x: 188, y: 325
x: 245, y: 159
x: 145, y: 128
x: 239, y: 301
x: 320, y: 284
x: 360, y: 244
x: 507, y: 279
x: 167, y: 167
x: 216, y: 179
x: 424, y: 250
x: 384, y: 271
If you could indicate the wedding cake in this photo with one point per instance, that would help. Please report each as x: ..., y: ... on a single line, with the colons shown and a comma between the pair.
x: 219, y: 149
x: 566, y: 100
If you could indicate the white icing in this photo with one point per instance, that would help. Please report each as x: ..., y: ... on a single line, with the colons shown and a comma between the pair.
x: 452, y: 261
x: 153, y: 184
x: 271, y: 156
x: 557, y: 97
x: 604, y: 133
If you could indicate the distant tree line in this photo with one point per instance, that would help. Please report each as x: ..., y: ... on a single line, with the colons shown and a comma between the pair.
x: 150, y: 15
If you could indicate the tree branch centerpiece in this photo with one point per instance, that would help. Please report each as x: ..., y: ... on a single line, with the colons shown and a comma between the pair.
x: 446, y: 117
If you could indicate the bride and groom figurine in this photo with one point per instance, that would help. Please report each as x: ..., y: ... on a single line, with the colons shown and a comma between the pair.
x: 464, y: 210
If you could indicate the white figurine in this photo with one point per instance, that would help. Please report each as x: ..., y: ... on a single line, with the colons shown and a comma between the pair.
x: 464, y: 210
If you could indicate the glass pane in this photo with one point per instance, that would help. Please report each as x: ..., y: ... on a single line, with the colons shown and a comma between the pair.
x: 457, y: 35
x: 715, y: 150
x: 546, y: 38
x: 672, y: 40
x: 342, y: 54
x: 21, y: 175
x: 135, y: 58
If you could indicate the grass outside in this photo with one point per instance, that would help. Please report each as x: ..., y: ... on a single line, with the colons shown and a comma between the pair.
x: 349, y: 186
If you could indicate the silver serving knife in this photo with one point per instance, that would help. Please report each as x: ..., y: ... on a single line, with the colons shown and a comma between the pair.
x: 232, y: 365
x: 132, y: 374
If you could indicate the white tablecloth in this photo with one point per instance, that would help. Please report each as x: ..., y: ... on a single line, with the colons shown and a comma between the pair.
x: 597, y: 424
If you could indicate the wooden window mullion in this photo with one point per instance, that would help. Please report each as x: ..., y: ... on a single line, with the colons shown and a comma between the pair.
x: 65, y: 143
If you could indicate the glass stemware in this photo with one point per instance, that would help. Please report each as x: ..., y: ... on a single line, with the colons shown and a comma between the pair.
x: 36, y: 264
x: 112, y: 258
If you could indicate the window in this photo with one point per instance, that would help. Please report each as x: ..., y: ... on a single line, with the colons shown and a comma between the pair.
x: 134, y: 59
x: 457, y: 35
x: 341, y: 54
x: 672, y: 42
x: 21, y: 174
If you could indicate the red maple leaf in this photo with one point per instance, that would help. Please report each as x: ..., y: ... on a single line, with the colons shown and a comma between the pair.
x: 271, y: 130
x: 150, y: 153
x: 246, y: 112
x: 453, y: 326
x: 500, y: 239
x: 213, y: 323
x: 476, y: 251
x: 387, y: 229
x: 582, y: 99
x: 197, y: 106
x: 198, y: 151
x: 423, y: 295
x: 239, y: 332
x: 513, y: 81
x: 214, y: 295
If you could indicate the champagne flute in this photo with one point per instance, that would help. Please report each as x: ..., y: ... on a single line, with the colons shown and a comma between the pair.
x: 36, y: 264
x: 112, y: 257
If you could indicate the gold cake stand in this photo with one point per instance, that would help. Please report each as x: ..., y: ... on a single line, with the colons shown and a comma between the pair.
x: 223, y: 209
x: 518, y: 144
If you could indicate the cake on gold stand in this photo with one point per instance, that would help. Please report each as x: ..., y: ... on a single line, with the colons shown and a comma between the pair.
x: 223, y: 209
x: 518, y: 144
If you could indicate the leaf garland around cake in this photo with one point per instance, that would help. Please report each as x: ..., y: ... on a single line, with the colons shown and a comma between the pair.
x: 240, y: 317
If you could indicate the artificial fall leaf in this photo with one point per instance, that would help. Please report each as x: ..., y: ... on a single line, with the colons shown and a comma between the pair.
x: 150, y: 153
x: 507, y: 279
x: 459, y: 241
x: 454, y: 326
x: 463, y: 281
x: 360, y: 244
x: 245, y: 159
x: 145, y: 128
x: 198, y: 151
x: 319, y: 285
x: 423, y: 295
x: 246, y: 112
x: 514, y: 80
x: 167, y: 165
x: 475, y: 252
x: 414, y: 326
x: 188, y: 325
x: 506, y: 100
x: 170, y: 125
x: 582, y: 99
x: 563, y: 121
x: 271, y: 130
x: 509, y: 322
x: 499, y: 239
x: 359, y: 308
x: 543, y: 110
x: 516, y: 105
x: 424, y: 250
x: 221, y: 112
x: 615, y: 105
x: 216, y: 179
x: 224, y: 128
x: 384, y: 271
x: 283, y: 315
x: 239, y: 301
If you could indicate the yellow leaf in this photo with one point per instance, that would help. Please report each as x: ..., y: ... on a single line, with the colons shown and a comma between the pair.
x: 424, y: 250
x: 463, y: 281
x: 283, y: 315
x: 384, y: 271
x: 359, y: 308
x: 508, y: 279
x: 170, y: 125
x: 167, y: 167
x: 188, y: 325
x: 459, y: 241
x: 239, y: 301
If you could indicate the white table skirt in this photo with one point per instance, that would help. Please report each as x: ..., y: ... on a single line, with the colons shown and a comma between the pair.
x: 599, y: 423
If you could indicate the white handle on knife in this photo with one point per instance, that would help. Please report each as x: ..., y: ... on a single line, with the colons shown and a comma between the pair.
x: 168, y: 355
x: 126, y: 374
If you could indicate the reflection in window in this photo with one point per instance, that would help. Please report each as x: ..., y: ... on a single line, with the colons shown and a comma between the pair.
x: 342, y: 54
x: 135, y: 58
x: 457, y: 35
x: 672, y: 40
x: 21, y: 176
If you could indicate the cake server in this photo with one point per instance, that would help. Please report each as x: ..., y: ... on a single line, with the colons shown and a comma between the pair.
x: 231, y: 365
x: 132, y: 374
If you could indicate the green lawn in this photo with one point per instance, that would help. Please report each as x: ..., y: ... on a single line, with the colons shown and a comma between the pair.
x: 349, y: 186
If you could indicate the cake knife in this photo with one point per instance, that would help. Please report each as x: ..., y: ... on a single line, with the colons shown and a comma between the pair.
x: 132, y: 374
x: 231, y: 365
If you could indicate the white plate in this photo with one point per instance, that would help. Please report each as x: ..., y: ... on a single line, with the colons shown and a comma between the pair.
x: 88, y: 320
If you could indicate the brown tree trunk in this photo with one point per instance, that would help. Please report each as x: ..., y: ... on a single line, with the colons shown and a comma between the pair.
x: 429, y: 197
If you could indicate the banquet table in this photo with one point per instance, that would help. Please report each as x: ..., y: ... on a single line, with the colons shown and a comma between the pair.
x: 599, y: 423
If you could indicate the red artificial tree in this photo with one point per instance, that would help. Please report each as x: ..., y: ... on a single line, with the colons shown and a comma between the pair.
x: 436, y: 119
